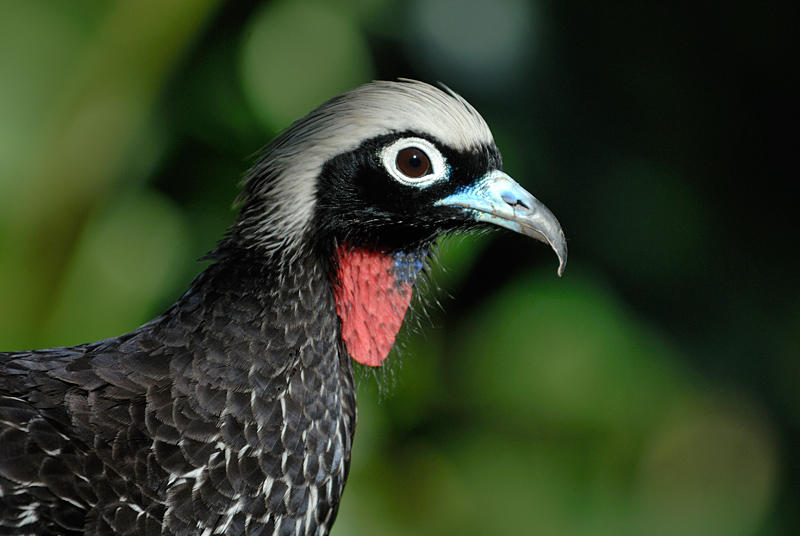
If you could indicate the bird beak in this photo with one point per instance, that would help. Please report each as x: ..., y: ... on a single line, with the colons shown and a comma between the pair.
x: 498, y: 199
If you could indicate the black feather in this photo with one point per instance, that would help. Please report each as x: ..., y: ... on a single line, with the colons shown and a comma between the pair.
x: 192, y: 422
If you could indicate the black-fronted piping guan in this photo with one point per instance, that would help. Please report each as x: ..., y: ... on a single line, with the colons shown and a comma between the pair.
x: 234, y: 411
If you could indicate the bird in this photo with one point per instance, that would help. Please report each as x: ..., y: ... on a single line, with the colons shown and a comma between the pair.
x: 234, y: 411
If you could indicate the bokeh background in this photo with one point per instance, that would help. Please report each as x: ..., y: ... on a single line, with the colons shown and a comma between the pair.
x: 655, y: 389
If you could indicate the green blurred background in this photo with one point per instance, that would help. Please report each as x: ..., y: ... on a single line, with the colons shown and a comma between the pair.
x: 652, y: 390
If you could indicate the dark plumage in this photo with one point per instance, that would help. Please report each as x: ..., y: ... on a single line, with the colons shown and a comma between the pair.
x: 233, y: 412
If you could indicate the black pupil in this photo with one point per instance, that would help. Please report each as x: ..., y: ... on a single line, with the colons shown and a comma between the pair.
x: 412, y: 162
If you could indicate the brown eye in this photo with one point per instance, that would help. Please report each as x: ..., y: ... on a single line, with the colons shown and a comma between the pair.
x: 413, y: 163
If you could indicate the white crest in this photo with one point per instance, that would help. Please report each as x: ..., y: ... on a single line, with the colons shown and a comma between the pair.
x: 283, y: 182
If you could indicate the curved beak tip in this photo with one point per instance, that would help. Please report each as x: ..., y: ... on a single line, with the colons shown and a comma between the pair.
x: 553, y: 235
x: 561, y: 252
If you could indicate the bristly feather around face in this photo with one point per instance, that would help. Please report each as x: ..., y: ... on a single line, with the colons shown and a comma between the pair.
x: 279, y: 194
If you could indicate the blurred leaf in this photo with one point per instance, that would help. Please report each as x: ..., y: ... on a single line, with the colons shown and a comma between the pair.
x: 101, y: 106
x: 39, y: 45
x: 709, y: 469
x: 455, y: 39
x: 564, y: 352
x: 297, y: 55
x: 128, y: 256
x: 649, y: 223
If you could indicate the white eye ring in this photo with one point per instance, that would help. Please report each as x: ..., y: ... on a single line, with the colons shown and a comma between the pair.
x: 438, y: 164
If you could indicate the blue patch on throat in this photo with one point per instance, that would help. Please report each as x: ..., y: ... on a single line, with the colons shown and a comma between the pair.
x: 407, y: 266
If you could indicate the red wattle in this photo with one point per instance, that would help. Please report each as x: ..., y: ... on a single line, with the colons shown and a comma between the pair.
x: 371, y: 303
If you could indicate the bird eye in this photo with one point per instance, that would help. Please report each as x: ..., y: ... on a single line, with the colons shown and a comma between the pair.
x: 413, y: 163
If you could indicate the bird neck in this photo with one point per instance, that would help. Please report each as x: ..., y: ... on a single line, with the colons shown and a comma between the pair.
x: 272, y: 308
x: 373, y: 290
x: 368, y: 289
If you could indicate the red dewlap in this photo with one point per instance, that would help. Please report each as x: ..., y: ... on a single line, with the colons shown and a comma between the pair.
x: 370, y: 302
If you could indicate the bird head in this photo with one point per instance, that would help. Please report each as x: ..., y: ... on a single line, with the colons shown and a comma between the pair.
x: 371, y: 178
